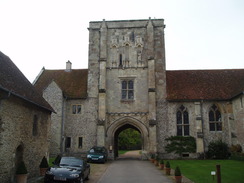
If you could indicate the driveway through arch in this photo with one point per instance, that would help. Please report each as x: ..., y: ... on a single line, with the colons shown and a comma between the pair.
x: 121, y: 124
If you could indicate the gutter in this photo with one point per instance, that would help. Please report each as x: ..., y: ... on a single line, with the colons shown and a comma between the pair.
x: 19, y: 96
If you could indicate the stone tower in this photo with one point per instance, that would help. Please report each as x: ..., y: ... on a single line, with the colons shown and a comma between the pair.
x: 127, y: 79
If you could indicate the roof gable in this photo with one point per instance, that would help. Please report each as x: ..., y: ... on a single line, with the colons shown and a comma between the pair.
x: 73, y: 83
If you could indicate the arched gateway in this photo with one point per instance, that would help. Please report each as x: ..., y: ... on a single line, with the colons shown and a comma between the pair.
x: 121, y: 124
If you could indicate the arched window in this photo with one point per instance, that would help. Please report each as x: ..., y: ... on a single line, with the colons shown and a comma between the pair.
x: 215, y: 123
x: 182, y: 118
x: 35, y: 126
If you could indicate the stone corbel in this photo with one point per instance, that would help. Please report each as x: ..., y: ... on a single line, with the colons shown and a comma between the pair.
x: 199, y: 135
x: 102, y: 91
x: 151, y: 90
x: 198, y: 118
x: 152, y: 122
x: 101, y: 122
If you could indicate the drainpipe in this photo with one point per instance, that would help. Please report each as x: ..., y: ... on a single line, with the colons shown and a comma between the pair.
x: 62, y: 127
x: 204, y: 153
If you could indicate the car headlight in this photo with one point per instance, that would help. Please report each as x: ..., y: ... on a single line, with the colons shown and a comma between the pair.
x: 74, y: 175
x: 49, y: 172
x: 101, y: 157
x: 88, y: 156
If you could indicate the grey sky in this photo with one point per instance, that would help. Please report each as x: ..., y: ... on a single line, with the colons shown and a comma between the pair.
x: 199, y: 34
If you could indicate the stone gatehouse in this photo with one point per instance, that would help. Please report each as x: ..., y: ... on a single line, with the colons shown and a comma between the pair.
x: 126, y: 85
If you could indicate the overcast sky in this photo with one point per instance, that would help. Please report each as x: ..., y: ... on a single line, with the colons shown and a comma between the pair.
x: 199, y: 34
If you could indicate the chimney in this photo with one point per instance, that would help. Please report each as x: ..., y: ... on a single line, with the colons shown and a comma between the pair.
x: 68, y: 66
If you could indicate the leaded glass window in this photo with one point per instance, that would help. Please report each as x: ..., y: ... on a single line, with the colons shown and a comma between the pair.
x: 215, y: 121
x: 182, y: 118
x: 127, y: 90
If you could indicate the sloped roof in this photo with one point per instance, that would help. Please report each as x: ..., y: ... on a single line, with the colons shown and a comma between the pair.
x: 73, y: 83
x: 12, y: 80
x: 204, y: 84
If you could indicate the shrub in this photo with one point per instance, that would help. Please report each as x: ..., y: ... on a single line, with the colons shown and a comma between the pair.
x: 177, y: 171
x: 21, y: 168
x: 237, y: 156
x: 218, y: 150
x: 236, y: 148
x: 161, y: 161
x: 57, y: 160
x: 157, y: 158
x: 167, y: 165
x: 180, y: 145
x: 152, y: 156
x: 44, y: 163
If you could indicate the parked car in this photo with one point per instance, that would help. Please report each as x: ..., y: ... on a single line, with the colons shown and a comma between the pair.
x: 97, y: 154
x: 68, y: 169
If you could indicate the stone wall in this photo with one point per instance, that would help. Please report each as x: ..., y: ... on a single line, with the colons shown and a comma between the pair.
x: 81, y: 125
x: 54, y: 95
x: 199, y: 123
x: 17, y: 131
x: 237, y: 121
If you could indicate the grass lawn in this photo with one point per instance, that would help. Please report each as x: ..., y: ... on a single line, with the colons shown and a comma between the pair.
x: 199, y: 171
x: 122, y: 151
x: 50, y: 162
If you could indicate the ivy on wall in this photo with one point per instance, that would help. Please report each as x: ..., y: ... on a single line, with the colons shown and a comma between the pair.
x: 181, y: 144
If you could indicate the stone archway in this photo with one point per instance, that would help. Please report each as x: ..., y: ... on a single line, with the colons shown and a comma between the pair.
x: 121, y: 124
x: 19, y: 156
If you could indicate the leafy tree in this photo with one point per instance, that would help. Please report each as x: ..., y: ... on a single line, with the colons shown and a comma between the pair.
x: 180, y: 144
x: 129, y: 139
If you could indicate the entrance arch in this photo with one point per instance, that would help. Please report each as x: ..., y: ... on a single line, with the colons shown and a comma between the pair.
x: 121, y: 124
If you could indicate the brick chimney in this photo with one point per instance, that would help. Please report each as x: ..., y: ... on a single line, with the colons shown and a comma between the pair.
x: 68, y: 66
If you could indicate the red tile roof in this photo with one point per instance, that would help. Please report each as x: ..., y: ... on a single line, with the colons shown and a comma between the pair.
x: 73, y: 83
x: 181, y: 85
x: 204, y: 84
x: 14, y: 82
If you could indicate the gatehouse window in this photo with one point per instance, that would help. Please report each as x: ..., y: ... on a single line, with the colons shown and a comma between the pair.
x: 35, y: 126
x: 127, y: 90
x: 120, y: 60
x: 215, y: 123
x: 80, y: 142
x: 76, y: 109
x: 68, y: 142
x: 182, y: 118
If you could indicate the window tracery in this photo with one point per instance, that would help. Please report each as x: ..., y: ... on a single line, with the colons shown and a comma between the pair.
x: 182, y: 118
x: 215, y: 122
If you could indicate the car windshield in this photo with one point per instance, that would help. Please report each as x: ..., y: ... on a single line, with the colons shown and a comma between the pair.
x: 71, y: 162
x: 97, y: 150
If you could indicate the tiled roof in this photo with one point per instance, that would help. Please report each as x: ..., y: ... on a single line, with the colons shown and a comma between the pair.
x: 204, y: 84
x: 73, y: 83
x: 12, y: 80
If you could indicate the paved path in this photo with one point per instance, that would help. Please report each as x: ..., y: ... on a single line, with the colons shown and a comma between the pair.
x: 132, y: 171
x: 130, y: 155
